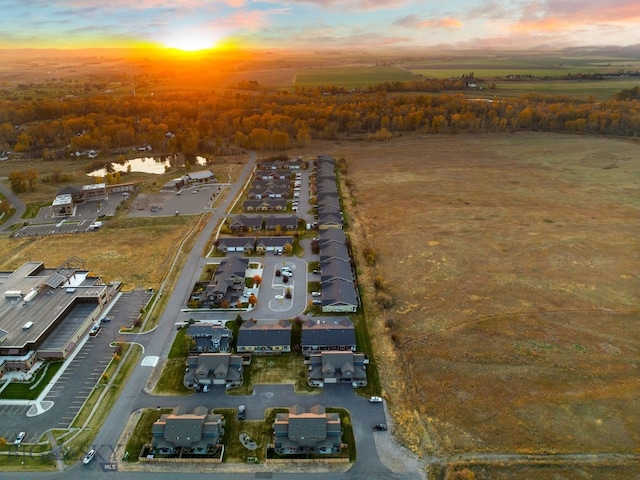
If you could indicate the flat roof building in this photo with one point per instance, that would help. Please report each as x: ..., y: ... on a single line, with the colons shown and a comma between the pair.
x: 54, y: 310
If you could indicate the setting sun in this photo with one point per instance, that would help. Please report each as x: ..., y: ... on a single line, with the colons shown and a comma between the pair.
x: 191, y: 41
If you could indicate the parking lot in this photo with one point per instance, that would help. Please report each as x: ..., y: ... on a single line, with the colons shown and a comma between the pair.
x: 78, y: 380
x: 84, y: 216
x: 188, y: 201
x: 79, y: 377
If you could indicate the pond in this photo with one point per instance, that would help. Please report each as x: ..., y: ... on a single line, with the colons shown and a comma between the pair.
x: 155, y: 165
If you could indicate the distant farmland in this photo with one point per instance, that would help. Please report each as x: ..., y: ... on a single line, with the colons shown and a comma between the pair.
x: 351, y: 76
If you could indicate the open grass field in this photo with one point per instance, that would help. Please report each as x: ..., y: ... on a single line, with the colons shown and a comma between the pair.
x: 351, y: 76
x: 537, y: 64
x: 601, y: 90
x: 137, y: 252
x: 513, y: 263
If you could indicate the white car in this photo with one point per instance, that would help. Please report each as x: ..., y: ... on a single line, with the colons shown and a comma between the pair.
x: 89, y: 457
x: 19, y: 438
x: 286, y: 273
x: 316, y: 294
x: 375, y: 399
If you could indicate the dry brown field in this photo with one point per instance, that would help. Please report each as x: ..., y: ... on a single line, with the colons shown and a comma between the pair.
x: 513, y: 262
x: 137, y: 253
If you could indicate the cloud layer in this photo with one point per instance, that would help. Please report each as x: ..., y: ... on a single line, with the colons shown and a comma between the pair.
x: 317, y: 23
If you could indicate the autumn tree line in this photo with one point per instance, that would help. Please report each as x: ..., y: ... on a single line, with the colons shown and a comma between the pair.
x: 201, y: 123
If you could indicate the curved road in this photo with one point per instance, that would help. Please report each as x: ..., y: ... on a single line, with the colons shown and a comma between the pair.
x: 18, y: 204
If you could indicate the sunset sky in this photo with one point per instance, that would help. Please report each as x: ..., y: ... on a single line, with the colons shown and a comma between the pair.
x: 193, y: 24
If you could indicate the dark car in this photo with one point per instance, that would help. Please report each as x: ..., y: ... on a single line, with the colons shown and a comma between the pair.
x: 379, y: 426
x: 241, y: 411
x: 105, y: 320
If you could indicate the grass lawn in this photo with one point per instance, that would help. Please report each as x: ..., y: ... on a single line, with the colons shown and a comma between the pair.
x: 258, y: 430
x: 30, y: 391
x: 275, y: 369
x: 142, y: 432
x: 171, y: 379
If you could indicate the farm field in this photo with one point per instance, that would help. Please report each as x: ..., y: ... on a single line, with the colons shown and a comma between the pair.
x: 601, y: 90
x: 352, y: 76
x: 286, y: 69
x: 512, y: 262
x: 541, y: 64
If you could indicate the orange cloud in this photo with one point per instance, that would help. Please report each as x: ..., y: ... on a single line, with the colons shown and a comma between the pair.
x: 549, y: 24
x: 445, y: 23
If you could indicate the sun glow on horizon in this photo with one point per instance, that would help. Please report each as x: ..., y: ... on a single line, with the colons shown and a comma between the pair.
x: 191, y: 41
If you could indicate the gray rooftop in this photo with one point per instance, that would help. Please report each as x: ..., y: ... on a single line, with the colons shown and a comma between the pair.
x: 47, y: 309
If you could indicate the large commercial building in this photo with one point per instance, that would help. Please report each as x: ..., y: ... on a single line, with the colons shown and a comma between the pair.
x: 45, y: 312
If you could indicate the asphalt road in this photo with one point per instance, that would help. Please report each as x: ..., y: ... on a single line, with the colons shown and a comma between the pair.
x: 17, y: 204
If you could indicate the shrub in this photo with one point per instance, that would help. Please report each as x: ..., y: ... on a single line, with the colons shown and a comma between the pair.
x: 383, y: 300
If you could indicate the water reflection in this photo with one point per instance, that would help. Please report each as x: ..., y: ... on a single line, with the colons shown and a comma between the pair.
x: 155, y: 165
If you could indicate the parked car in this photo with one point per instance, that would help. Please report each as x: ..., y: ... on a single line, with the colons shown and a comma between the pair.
x: 105, y: 320
x: 379, y: 426
x: 316, y: 271
x: 316, y: 294
x: 316, y: 302
x: 286, y: 273
x: 89, y: 457
x: 375, y: 399
x: 241, y: 412
x: 19, y: 438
